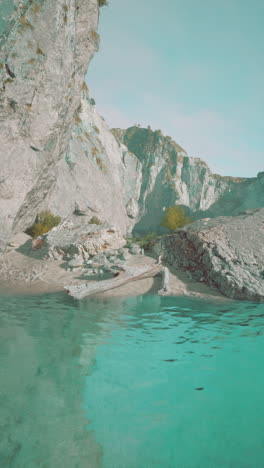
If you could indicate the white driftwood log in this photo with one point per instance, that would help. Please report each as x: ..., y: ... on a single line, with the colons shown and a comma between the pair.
x: 80, y: 291
x: 165, y: 282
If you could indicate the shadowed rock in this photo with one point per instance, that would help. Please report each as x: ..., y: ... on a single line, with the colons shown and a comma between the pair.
x: 226, y: 253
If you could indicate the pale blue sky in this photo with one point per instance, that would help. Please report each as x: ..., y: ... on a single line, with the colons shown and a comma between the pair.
x: 192, y: 68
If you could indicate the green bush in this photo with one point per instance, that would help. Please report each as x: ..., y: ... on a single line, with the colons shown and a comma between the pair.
x: 44, y: 223
x: 102, y: 2
x: 95, y: 220
x: 145, y: 242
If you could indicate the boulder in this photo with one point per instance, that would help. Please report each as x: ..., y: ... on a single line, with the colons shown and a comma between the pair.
x: 37, y: 243
x: 76, y: 262
x: 82, y: 241
x: 135, y: 249
x: 226, y: 253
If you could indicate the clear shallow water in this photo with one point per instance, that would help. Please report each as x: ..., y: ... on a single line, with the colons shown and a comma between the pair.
x: 113, y: 383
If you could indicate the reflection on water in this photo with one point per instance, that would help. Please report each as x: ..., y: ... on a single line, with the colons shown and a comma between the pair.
x: 42, y: 419
x: 132, y: 383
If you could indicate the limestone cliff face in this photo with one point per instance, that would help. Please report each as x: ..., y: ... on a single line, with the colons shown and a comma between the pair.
x: 55, y: 150
x: 96, y: 176
x: 44, y: 55
x: 170, y: 177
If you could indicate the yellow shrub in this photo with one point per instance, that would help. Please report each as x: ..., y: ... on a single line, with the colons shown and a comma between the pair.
x: 95, y: 220
x: 175, y: 218
x: 44, y: 223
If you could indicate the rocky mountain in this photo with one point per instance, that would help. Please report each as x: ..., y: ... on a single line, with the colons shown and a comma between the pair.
x: 170, y: 176
x: 58, y: 153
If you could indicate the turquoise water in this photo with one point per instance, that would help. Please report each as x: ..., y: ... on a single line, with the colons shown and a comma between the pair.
x: 130, y: 383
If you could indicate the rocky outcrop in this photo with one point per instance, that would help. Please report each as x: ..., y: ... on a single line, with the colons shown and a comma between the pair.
x: 70, y: 240
x: 56, y: 152
x: 226, y: 253
x: 170, y: 177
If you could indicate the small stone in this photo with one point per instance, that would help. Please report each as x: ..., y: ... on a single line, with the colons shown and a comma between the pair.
x: 112, y: 259
x: 76, y: 262
x: 134, y: 249
x: 37, y: 243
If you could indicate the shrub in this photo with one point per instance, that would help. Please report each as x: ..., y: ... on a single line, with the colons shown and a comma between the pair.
x: 145, y: 242
x: 175, y: 218
x: 102, y: 166
x: 36, y: 8
x: 95, y: 36
x: 84, y: 87
x: 39, y: 51
x: 25, y: 23
x: 102, y: 2
x: 44, y: 223
x: 77, y: 115
x: 95, y: 220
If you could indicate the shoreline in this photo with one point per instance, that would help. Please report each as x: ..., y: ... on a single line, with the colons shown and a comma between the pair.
x: 23, y: 275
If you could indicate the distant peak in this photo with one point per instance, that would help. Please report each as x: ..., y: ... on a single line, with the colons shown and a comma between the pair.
x: 145, y: 135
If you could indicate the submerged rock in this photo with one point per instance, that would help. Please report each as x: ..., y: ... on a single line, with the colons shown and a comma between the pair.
x: 226, y: 253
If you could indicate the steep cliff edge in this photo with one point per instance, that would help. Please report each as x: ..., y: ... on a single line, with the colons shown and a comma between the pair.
x: 170, y: 176
x: 56, y: 152
x: 44, y: 55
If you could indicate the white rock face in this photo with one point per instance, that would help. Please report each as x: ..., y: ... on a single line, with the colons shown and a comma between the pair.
x: 170, y: 177
x: 43, y: 60
x: 97, y: 176
x: 56, y: 151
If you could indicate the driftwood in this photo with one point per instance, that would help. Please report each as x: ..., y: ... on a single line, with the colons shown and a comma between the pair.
x: 165, y: 282
x: 130, y: 274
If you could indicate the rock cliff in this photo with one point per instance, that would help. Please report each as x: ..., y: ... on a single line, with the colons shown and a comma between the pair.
x: 56, y: 151
x: 170, y: 177
x: 224, y: 252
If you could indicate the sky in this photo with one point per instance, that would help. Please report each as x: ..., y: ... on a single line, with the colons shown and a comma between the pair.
x: 192, y: 68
